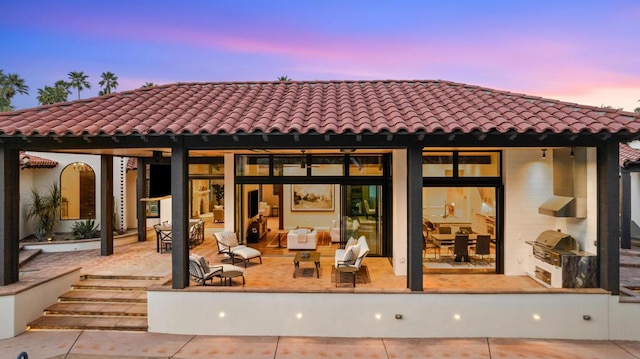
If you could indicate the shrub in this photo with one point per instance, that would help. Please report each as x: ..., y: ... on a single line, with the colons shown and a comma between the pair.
x: 85, y: 229
x: 44, y: 208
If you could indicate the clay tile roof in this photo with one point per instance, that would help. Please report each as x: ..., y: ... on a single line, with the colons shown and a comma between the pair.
x: 31, y: 161
x: 314, y: 106
x: 628, y: 155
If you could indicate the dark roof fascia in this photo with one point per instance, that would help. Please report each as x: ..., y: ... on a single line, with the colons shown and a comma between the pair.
x: 314, y: 140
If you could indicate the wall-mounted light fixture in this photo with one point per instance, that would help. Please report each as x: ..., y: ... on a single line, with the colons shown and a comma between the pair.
x: 544, y: 153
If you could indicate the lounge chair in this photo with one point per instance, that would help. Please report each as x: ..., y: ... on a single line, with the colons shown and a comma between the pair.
x: 163, y: 239
x: 200, y: 270
x: 350, y: 259
x: 228, y: 244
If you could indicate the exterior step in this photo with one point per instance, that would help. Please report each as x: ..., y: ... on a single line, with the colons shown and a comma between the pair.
x: 103, y: 296
x: 100, y: 302
x: 115, y: 284
x: 25, y: 255
x: 98, y: 309
x: 89, y: 323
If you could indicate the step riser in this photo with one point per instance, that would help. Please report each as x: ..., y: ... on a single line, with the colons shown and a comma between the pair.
x: 101, y: 301
x: 60, y: 313
x: 80, y: 327
x: 81, y: 287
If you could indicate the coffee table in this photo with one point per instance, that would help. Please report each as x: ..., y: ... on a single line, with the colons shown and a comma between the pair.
x: 306, y: 256
x: 227, y: 276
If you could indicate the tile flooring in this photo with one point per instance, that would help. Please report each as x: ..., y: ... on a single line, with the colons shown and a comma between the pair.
x: 104, y: 344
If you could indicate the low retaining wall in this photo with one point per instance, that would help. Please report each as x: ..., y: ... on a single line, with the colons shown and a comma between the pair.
x: 20, y: 304
x: 80, y: 244
x: 392, y: 315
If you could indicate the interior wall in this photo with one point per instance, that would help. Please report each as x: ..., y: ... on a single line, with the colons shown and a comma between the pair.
x: 528, y: 182
x: 317, y: 219
x: 399, y: 211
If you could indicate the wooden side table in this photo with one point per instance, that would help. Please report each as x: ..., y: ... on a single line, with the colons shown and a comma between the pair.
x: 308, y: 257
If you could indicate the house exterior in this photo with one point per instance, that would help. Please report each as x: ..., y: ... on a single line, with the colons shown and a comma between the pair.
x: 401, y: 140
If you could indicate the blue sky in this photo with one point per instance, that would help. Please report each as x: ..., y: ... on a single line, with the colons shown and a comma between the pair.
x: 579, y: 51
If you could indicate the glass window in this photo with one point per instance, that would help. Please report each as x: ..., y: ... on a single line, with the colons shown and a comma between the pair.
x: 327, y: 165
x: 365, y: 165
x: 216, y: 168
x: 437, y: 164
x: 479, y: 164
x: 252, y: 166
x: 78, y: 192
x: 290, y: 166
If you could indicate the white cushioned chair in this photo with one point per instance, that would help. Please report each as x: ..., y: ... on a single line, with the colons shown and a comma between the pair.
x: 352, y: 229
x: 200, y: 270
x: 264, y: 209
x: 302, y: 238
x: 359, y: 249
x: 228, y: 244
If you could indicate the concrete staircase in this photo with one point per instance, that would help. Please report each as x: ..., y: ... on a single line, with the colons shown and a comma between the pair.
x: 100, y: 303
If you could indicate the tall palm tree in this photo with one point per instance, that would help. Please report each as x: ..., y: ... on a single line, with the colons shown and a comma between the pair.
x: 10, y: 84
x: 59, y: 92
x: 147, y: 85
x: 109, y: 82
x: 284, y: 78
x: 79, y: 81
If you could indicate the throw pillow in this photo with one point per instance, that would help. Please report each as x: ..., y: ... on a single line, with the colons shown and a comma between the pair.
x: 352, y: 241
x: 348, y: 255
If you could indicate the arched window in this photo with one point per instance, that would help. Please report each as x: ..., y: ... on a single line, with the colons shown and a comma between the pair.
x: 78, y: 191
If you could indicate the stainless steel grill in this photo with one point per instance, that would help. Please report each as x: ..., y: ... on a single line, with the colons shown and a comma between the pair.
x: 550, y: 246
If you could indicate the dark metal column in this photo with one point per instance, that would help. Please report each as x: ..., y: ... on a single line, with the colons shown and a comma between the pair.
x: 414, y: 216
x: 9, y: 220
x: 608, y: 216
x: 106, y: 205
x: 625, y: 210
x: 179, y: 215
x: 141, y: 206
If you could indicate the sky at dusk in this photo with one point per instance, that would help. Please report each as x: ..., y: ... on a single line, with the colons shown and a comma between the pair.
x: 578, y: 51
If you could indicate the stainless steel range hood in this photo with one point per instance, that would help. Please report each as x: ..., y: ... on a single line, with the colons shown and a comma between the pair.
x: 569, y: 184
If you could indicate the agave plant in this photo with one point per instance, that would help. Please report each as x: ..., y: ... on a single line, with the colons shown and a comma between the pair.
x: 85, y: 229
x: 45, y: 209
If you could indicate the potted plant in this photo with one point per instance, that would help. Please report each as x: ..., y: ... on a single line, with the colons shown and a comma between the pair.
x: 218, y: 191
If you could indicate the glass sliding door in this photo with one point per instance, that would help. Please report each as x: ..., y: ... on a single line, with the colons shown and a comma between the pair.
x: 451, y: 212
x: 362, y: 206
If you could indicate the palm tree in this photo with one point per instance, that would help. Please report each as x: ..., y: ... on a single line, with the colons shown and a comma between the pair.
x: 10, y: 84
x: 58, y: 93
x: 284, y: 78
x: 109, y: 82
x: 79, y: 81
x: 147, y: 85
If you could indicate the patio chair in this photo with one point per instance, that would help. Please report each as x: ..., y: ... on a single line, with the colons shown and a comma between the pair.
x: 368, y: 211
x: 350, y: 259
x: 198, y: 273
x: 427, y: 242
x: 206, y: 268
x: 163, y: 239
x: 482, y: 247
x: 460, y: 248
x: 228, y: 244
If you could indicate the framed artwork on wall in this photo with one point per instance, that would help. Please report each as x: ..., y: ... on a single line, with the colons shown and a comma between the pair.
x: 312, y: 197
